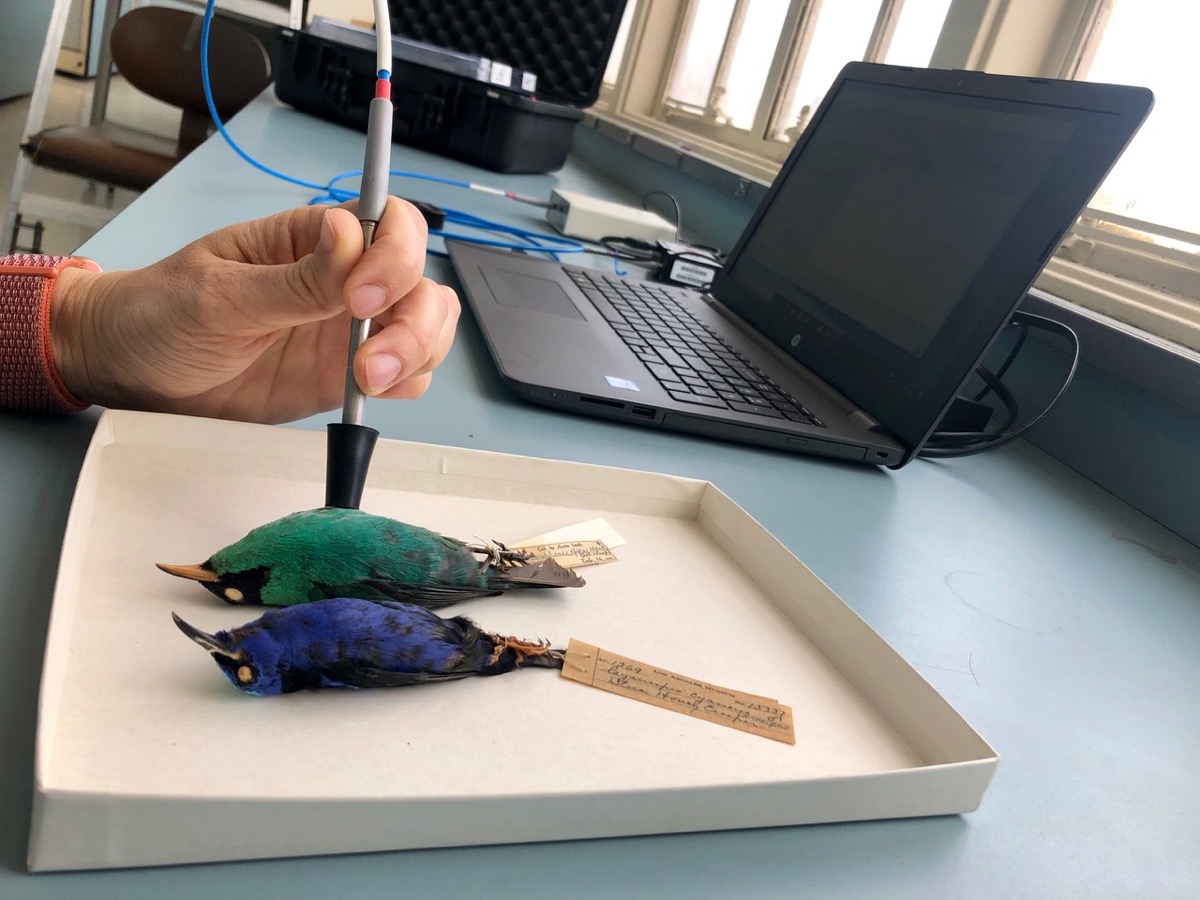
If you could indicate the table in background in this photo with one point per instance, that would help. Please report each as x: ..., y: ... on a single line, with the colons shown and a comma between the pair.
x: 1061, y: 623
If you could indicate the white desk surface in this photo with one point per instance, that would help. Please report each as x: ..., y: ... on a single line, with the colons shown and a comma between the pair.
x: 1060, y: 622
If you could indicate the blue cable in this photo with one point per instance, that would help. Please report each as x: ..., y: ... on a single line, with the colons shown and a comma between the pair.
x: 503, y: 245
x: 534, y: 240
x: 212, y: 107
x: 333, y: 193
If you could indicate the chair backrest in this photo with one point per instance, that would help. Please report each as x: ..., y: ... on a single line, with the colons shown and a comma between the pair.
x: 157, y: 49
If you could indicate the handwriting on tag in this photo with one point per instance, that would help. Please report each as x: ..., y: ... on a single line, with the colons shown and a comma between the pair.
x: 618, y: 674
x: 572, y: 554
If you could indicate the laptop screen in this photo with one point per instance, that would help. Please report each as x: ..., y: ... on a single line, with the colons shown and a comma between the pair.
x: 910, y: 219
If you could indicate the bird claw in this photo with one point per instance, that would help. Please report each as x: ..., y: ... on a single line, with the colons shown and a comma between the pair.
x: 519, y: 647
x: 497, y: 555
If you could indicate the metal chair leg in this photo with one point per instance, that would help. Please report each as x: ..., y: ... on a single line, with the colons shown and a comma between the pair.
x: 38, y: 230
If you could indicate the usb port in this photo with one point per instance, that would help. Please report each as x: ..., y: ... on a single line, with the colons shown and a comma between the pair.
x: 642, y: 412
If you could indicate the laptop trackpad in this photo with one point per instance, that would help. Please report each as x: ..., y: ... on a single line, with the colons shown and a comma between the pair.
x: 530, y: 292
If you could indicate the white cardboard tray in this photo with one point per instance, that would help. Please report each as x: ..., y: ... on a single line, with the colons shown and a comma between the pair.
x: 146, y: 755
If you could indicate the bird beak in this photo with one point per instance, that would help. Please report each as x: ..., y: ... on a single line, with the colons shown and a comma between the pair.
x: 205, y: 640
x: 199, y: 572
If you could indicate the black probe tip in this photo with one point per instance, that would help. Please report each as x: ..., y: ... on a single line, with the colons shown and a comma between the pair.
x: 346, y: 462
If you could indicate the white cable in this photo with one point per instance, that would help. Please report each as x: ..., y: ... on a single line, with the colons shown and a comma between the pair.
x: 383, y: 36
x: 373, y: 193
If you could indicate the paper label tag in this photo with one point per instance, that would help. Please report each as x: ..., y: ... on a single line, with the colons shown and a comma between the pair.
x: 572, y: 554
x: 592, y: 529
x: 618, y: 674
x: 589, y: 543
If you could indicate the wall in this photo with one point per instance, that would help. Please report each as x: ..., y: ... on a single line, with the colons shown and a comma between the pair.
x: 21, y: 41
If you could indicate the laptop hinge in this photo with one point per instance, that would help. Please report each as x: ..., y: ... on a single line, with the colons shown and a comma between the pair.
x: 865, y: 420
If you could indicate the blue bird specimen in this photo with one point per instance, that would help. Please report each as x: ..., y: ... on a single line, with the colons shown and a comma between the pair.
x: 331, y: 552
x: 348, y: 642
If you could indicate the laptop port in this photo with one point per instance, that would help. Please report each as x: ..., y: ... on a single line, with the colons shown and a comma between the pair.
x: 600, y: 401
x: 642, y: 412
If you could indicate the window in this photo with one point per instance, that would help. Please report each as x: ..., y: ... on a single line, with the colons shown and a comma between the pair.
x: 1135, y: 254
x: 618, y: 50
x: 1153, y: 42
x: 735, y: 81
x: 745, y: 76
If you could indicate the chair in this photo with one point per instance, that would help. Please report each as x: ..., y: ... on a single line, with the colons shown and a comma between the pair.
x: 157, y: 50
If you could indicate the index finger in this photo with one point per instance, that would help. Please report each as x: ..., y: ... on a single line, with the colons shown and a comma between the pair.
x: 391, y: 267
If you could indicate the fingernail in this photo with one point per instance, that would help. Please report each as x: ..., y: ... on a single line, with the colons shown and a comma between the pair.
x: 382, y: 370
x: 367, y: 300
x: 325, y: 242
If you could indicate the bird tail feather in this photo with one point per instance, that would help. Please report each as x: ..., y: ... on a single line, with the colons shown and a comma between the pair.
x: 544, y: 573
x: 551, y: 659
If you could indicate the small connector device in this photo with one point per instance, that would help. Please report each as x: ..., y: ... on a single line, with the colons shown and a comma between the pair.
x: 686, y: 265
x: 584, y: 217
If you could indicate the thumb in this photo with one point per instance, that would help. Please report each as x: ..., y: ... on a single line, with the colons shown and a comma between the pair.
x: 310, y: 288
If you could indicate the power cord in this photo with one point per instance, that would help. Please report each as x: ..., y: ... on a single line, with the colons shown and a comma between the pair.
x: 674, y: 203
x: 950, y: 444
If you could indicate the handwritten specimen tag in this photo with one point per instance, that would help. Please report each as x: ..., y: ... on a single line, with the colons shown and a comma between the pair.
x: 617, y: 674
x: 589, y: 543
x: 572, y: 554
x: 592, y: 529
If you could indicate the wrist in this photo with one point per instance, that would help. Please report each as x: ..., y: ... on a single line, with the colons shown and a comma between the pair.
x: 30, y: 380
x: 73, y: 305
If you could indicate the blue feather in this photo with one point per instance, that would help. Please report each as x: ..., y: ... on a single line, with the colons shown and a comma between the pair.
x: 349, y: 642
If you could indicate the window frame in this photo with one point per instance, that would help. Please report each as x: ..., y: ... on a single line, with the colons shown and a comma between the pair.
x: 749, y: 149
x: 1145, y: 286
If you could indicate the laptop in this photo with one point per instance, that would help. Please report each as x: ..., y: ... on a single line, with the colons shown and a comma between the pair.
x: 907, y: 223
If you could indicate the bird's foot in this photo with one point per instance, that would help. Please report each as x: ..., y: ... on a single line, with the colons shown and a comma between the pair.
x: 519, y: 647
x: 497, y: 555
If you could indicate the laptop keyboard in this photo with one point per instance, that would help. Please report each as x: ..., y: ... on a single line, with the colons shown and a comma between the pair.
x: 690, y: 361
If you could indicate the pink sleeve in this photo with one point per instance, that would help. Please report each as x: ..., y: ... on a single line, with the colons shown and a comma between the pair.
x: 29, y: 379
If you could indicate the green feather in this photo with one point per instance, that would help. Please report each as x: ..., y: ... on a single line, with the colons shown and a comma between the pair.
x: 332, y: 552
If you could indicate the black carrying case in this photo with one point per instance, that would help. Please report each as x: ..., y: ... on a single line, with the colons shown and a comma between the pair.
x: 506, y: 129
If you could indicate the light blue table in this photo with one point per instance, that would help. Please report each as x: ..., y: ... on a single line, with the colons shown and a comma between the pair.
x: 1061, y: 623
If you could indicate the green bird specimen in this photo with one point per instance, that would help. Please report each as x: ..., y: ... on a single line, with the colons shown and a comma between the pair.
x: 331, y: 552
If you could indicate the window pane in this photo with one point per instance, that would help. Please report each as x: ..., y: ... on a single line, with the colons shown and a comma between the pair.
x: 1153, y: 43
x: 916, y: 33
x: 751, y: 62
x: 699, y: 54
x: 618, y: 50
x: 842, y: 33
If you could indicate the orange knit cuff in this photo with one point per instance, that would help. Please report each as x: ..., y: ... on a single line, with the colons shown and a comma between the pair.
x: 29, y: 378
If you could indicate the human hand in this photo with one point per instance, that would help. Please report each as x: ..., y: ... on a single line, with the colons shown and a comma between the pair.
x: 252, y: 322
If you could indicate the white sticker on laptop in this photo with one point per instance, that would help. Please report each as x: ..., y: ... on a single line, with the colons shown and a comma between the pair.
x: 622, y: 383
x: 688, y: 273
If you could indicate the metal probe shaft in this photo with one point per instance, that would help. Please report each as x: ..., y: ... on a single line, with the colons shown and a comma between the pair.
x: 371, y: 202
x: 351, y: 443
